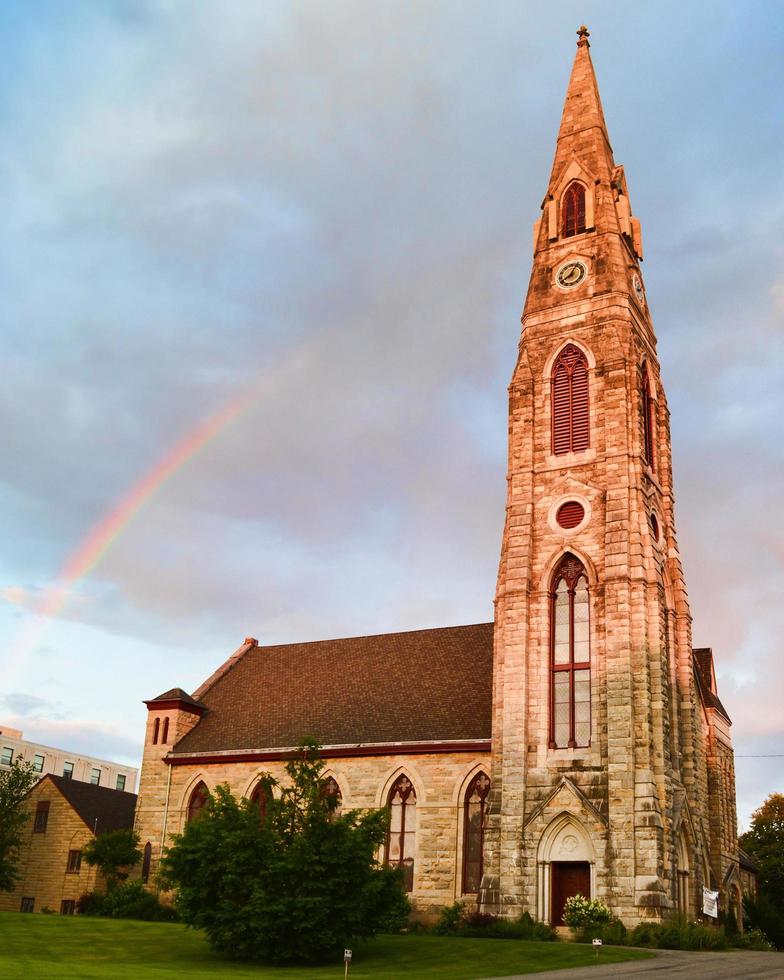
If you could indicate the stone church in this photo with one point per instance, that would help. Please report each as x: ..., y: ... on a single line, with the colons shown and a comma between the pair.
x: 577, y: 744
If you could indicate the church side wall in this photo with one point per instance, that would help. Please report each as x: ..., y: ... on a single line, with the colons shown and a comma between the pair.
x: 440, y: 781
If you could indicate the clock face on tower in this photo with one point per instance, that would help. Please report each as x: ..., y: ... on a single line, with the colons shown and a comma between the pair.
x: 638, y: 290
x: 571, y: 274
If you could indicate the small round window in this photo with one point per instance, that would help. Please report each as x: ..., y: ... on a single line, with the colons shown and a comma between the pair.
x: 570, y: 514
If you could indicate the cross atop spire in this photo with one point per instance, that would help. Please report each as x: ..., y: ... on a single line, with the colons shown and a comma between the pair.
x: 583, y: 33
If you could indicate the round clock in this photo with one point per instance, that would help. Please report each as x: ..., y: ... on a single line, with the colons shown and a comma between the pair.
x: 639, y: 292
x: 571, y: 274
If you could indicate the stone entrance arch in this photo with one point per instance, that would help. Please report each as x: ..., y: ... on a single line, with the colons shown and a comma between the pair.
x: 566, y: 864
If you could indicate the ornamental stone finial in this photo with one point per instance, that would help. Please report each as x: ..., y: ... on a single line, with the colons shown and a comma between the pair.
x: 583, y: 34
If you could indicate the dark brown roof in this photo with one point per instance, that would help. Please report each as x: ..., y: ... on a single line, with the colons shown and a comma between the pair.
x: 420, y: 686
x: 176, y: 694
x: 747, y: 862
x: 703, y: 670
x: 101, y: 808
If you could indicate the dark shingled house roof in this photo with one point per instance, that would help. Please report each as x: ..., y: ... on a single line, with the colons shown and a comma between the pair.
x: 101, y: 808
x: 419, y: 686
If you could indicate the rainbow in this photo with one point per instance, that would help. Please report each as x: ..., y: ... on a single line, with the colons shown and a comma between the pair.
x: 108, y: 530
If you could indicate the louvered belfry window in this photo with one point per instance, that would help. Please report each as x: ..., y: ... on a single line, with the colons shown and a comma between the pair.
x: 570, y: 656
x: 647, y: 405
x: 573, y: 210
x: 569, y: 402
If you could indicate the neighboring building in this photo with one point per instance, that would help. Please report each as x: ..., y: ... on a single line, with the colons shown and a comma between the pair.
x: 575, y: 745
x: 749, y: 874
x: 71, y: 765
x: 64, y: 814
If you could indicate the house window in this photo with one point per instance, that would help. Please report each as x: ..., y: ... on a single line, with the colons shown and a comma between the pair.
x: 67, y: 906
x: 68, y: 770
x: 569, y: 402
x: 573, y: 210
x: 41, y: 817
x: 38, y: 763
x: 95, y: 777
x: 475, y: 808
x: 401, y: 839
x: 197, y: 802
x: 165, y: 736
x: 6, y: 756
x: 330, y: 791
x: 121, y: 782
x: 28, y: 905
x: 146, y: 860
x: 648, y: 406
x: 570, y: 657
x: 74, y: 865
x: 261, y: 796
x: 156, y: 727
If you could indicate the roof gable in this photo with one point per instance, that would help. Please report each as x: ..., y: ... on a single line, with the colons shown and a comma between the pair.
x: 101, y: 808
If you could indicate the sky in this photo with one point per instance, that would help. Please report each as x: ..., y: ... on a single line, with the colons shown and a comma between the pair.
x: 274, y: 257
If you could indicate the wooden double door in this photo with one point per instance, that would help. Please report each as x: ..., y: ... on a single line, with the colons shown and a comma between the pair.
x: 567, y: 878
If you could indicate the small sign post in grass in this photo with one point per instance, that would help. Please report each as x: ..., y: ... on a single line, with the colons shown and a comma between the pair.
x: 346, y: 959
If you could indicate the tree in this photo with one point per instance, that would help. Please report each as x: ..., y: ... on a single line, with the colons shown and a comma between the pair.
x: 114, y: 853
x: 765, y: 843
x: 15, y: 784
x: 296, y: 882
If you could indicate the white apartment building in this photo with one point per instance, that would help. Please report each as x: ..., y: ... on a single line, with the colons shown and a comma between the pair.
x: 61, y: 762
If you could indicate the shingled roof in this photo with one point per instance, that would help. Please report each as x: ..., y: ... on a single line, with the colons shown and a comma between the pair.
x: 419, y: 686
x: 706, y: 680
x: 101, y: 808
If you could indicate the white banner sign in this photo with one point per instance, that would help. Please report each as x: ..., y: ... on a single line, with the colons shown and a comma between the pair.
x: 710, y: 903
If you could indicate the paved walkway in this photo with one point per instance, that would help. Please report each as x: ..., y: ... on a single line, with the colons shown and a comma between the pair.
x: 735, y: 965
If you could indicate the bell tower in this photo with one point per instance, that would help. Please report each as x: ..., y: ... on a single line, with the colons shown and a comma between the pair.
x: 597, y: 771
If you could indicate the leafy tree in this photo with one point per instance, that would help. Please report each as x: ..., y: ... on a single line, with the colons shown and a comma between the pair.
x: 114, y: 853
x: 296, y: 883
x: 765, y: 843
x: 15, y: 784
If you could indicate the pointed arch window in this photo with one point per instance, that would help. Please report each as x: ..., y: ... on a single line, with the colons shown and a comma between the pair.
x: 165, y: 735
x: 569, y: 402
x: 261, y: 796
x: 570, y: 656
x: 648, y: 417
x: 475, y: 809
x: 146, y: 861
x: 197, y: 802
x: 401, y: 838
x: 573, y: 210
x: 156, y: 727
x: 330, y: 792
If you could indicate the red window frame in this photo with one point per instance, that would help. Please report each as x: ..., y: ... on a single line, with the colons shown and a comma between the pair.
x: 197, y: 802
x: 261, y: 796
x: 474, y: 831
x: 405, y: 789
x: 330, y: 790
x: 573, y: 210
x: 572, y: 571
x: 570, y: 416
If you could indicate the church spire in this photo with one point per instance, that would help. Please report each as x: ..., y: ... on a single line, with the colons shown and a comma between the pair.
x: 583, y: 132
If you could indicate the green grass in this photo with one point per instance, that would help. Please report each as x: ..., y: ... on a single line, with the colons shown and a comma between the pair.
x: 41, y: 946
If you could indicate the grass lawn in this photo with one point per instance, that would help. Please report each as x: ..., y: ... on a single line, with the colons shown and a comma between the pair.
x: 52, y: 946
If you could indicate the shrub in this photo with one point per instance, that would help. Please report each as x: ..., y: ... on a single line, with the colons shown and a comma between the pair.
x: 678, y: 933
x: 580, y: 911
x: 298, y: 885
x: 92, y: 903
x: 762, y: 915
x: 613, y: 933
x: 450, y: 920
x: 133, y: 901
x: 752, y: 939
x: 455, y: 921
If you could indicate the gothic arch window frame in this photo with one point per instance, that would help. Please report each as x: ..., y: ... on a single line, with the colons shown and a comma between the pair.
x: 574, y: 172
x: 572, y: 211
x: 570, y: 400
x: 156, y: 728
x: 648, y: 406
x: 197, y: 800
x: 330, y: 786
x: 479, y: 783
x: 570, y: 571
x: 261, y: 794
x: 146, y: 861
x: 406, y: 846
x: 165, y: 733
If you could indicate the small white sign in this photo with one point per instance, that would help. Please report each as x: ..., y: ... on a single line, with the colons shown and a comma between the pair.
x: 710, y: 903
x: 597, y: 942
x: 346, y: 955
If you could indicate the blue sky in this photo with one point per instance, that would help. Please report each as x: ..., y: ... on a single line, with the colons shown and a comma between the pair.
x: 333, y: 203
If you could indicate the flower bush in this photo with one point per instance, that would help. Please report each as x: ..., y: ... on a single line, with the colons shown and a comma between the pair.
x: 581, y: 911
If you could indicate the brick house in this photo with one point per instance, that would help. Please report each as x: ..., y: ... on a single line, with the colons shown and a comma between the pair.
x: 577, y: 744
x: 64, y: 814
